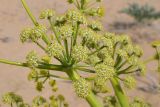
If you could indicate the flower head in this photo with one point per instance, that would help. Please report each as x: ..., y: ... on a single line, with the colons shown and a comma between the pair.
x: 10, y: 97
x: 46, y: 14
x: 76, y: 17
x: 133, y: 60
x: 60, y: 20
x: 95, y: 25
x: 137, y: 50
x: 66, y: 31
x: 109, y: 61
x: 90, y: 37
x: 32, y: 59
x: 129, y: 82
x: 55, y: 49
x: 25, y: 34
x: 105, y: 71
x: 80, y: 53
x: 122, y: 53
x: 38, y: 101
x: 142, y: 67
x: 82, y: 87
x: 37, y: 32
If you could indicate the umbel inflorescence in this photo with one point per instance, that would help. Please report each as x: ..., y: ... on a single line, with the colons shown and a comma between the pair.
x: 80, y: 44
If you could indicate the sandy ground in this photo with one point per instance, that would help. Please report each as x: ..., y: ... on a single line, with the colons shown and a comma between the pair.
x: 13, y: 18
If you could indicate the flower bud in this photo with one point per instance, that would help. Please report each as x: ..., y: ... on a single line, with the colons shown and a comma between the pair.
x: 21, y: 104
x: 100, y: 85
x: 122, y: 53
x: 95, y: 25
x: 60, y: 20
x: 25, y: 34
x: 138, y: 51
x: 90, y: 37
x: 46, y: 14
x: 128, y: 48
x: 39, y: 86
x: 55, y: 49
x: 82, y: 87
x: 70, y: 1
x: 38, y: 101
x: 66, y: 31
x: 76, y: 17
x: 33, y: 75
x: 96, y: 11
x: 92, y: 60
x: 37, y: 32
x: 142, y: 67
x: 138, y: 102
x: 105, y: 71
x: 109, y: 61
x: 80, y: 53
x: 155, y: 44
x: 32, y: 59
x: 125, y: 39
x: 53, y: 84
x: 10, y: 97
x: 130, y: 82
x: 133, y: 60
x: 100, y: 11
x: 105, y: 52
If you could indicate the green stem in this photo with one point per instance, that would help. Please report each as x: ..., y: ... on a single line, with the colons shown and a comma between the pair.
x: 86, y: 70
x: 29, y: 12
x: 122, y: 98
x: 91, y: 98
x: 40, y: 45
x: 97, y: 50
x: 75, y: 34
x: 66, y: 47
x: 40, y: 66
x: 78, y: 5
x: 54, y: 30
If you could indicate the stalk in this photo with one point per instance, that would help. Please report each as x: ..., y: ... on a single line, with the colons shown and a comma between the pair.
x: 122, y: 98
x: 40, y: 66
x: 91, y: 98
x: 29, y: 12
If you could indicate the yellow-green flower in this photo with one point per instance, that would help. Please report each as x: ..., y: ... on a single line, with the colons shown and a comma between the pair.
x: 82, y: 87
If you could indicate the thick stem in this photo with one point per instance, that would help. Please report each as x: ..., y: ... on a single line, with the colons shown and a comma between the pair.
x: 122, y: 98
x: 91, y: 98
x: 40, y: 66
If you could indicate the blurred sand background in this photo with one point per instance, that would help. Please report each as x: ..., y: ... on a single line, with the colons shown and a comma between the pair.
x: 13, y: 19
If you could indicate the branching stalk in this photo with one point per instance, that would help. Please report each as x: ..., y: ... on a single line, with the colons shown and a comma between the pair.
x: 122, y: 98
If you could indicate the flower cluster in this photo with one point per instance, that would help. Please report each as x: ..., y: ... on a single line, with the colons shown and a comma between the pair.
x: 32, y: 34
x: 82, y: 87
x: 32, y: 59
x: 104, y: 71
x: 138, y: 102
x: 95, y: 25
x: 46, y: 14
x: 66, y: 31
x: 55, y: 49
x: 76, y: 17
x: 12, y: 98
x: 80, y: 53
x: 129, y: 82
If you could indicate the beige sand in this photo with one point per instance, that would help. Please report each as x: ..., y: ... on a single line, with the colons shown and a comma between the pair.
x: 13, y: 18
